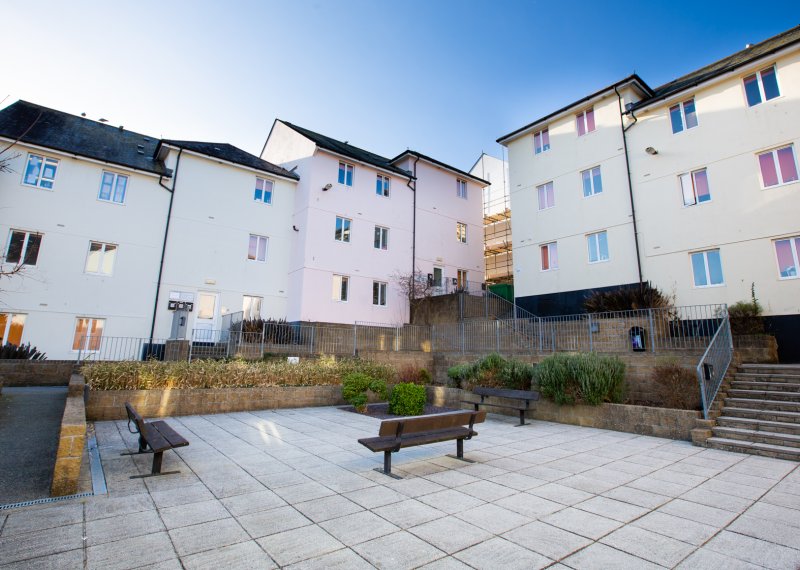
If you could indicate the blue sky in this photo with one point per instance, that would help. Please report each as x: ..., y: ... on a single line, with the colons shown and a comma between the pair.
x: 444, y: 77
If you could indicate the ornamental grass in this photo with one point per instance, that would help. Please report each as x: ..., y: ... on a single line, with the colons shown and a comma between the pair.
x: 157, y: 375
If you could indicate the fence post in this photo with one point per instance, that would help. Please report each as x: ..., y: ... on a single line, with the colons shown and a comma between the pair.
x: 263, y: 338
x: 541, y: 335
x: 311, y: 345
x: 433, y: 329
x: 355, y: 340
x: 497, y: 335
x: 591, y: 340
x: 463, y: 338
x: 460, y: 306
x: 191, y: 344
x: 397, y: 339
x: 652, y: 336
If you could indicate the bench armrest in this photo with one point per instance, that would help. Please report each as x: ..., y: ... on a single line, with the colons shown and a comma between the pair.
x: 398, y: 436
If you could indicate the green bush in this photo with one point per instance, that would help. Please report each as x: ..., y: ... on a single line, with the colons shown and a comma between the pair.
x: 355, y: 387
x: 641, y: 296
x: 407, y: 399
x: 493, y: 371
x: 10, y: 351
x: 745, y: 316
x: 581, y: 378
x: 459, y: 373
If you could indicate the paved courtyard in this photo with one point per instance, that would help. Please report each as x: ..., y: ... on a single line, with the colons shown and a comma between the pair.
x: 293, y: 488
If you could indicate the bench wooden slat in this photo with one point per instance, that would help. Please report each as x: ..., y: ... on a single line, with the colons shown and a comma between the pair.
x: 384, y: 443
x: 414, y: 424
x: 506, y: 393
x: 173, y: 438
x: 158, y: 436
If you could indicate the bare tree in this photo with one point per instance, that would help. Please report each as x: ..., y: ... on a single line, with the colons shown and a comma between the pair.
x: 413, y: 286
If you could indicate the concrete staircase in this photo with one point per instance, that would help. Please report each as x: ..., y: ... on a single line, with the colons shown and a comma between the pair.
x: 760, y: 412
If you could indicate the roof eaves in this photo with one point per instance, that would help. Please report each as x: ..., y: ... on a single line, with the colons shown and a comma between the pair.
x: 442, y: 165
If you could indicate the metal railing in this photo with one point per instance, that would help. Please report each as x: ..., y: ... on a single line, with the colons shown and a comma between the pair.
x: 449, y: 285
x: 714, y: 364
x: 120, y: 348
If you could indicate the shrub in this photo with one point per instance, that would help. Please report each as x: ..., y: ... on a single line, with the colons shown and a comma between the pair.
x: 459, y: 374
x: 414, y: 375
x: 152, y: 374
x: 581, y: 378
x: 644, y: 296
x: 10, y: 351
x: 493, y: 371
x: 407, y: 399
x: 676, y: 386
x: 745, y: 316
x: 355, y: 387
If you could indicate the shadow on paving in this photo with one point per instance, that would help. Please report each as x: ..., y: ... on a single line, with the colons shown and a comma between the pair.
x: 30, y: 420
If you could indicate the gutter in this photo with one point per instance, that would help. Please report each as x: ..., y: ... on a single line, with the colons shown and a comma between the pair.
x: 630, y: 183
x: 164, y: 243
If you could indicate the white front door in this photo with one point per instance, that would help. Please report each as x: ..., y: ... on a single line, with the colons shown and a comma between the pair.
x: 206, y: 317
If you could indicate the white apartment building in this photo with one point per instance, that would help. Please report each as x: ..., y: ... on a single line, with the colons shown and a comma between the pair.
x: 692, y: 186
x: 363, y: 220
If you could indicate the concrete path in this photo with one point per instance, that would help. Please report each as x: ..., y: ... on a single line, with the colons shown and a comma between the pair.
x: 30, y: 421
x: 293, y: 489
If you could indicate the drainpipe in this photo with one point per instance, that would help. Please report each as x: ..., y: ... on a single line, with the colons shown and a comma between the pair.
x: 630, y: 183
x: 414, y: 222
x: 164, y: 244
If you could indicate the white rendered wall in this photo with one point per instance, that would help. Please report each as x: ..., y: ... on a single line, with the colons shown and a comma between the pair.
x: 494, y: 171
x: 58, y: 290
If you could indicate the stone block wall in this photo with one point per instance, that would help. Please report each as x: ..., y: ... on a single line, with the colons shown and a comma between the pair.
x: 71, y: 442
x: 37, y: 373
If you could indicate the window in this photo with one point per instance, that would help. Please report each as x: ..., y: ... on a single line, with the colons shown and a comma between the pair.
x: 694, y: 187
x: 438, y: 277
x: 549, y: 256
x: 788, y: 252
x: 546, y: 197
x: 778, y: 166
x: 88, y: 333
x: 461, y: 189
x: 541, y: 141
x: 263, y: 191
x: 585, y: 122
x: 461, y: 232
x: 113, y: 187
x: 11, y: 326
x: 251, y: 307
x: 592, y: 182
x: 683, y: 116
x: 598, y: 247
x: 761, y: 86
x: 461, y: 278
x: 257, y: 250
x: 340, y: 285
x: 342, y: 232
x: 40, y: 171
x: 346, y: 174
x: 23, y: 248
x: 101, y: 258
x: 379, y: 293
x: 381, y: 238
x: 707, y: 268
x: 382, y: 186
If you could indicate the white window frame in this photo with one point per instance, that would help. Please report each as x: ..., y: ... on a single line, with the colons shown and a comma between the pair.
x: 383, y: 288
x: 705, y: 253
x: 85, y: 346
x: 347, y: 166
x: 39, y: 178
x: 259, y: 239
x: 103, y: 253
x: 691, y: 178
x: 760, y: 84
x: 386, y: 184
x: 581, y: 118
x: 7, y: 328
x: 541, y: 149
x: 594, y: 191
x: 117, y: 176
x: 347, y: 229
x: 461, y: 188
x: 461, y: 237
x: 682, y: 111
x: 795, y: 256
x: 596, y: 235
x: 383, y: 238
x: 342, y: 280
x: 778, y: 170
x: 551, y: 246
x: 24, y: 251
x: 543, y: 188
x: 247, y: 308
x: 265, y: 181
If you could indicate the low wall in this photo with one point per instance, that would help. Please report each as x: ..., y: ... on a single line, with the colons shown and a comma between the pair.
x: 756, y: 348
x: 71, y: 442
x: 36, y: 373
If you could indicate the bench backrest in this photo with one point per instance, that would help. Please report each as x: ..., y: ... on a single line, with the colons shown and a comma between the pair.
x: 133, y: 416
x: 506, y: 393
x: 432, y: 422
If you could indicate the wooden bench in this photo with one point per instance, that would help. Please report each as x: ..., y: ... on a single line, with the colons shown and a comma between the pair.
x: 396, y: 434
x: 520, y: 395
x: 157, y: 436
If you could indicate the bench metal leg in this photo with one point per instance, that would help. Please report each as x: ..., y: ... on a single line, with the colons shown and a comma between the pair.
x: 387, y: 466
x: 460, y: 452
x: 522, y: 418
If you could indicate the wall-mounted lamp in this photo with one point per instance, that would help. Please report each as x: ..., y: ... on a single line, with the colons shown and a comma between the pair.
x: 651, y: 151
x: 295, y: 228
x: 327, y: 187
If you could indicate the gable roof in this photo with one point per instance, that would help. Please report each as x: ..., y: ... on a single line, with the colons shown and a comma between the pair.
x: 724, y: 65
x: 458, y: 171
x: 41, y: 126
x: 348, y: 150
x: 230, y: 153
x: 633, y: 78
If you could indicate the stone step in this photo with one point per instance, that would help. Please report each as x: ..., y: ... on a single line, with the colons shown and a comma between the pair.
x: 767, y: 450
x: 768, y: 405
x: 764, y: 395
x: 750, y: 377
x: 770, y: 368
x: 766, y: 415
x: 769, y: 386
x: 753, y: 436
x: 759, y: 425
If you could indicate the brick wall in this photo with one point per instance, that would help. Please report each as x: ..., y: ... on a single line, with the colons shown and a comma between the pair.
x: 36, y: 373
x: 71, y: 442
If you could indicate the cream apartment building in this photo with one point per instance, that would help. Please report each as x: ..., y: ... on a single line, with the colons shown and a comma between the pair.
x: 713, y: 191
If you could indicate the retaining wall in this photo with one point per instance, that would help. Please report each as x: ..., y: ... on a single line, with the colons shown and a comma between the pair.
x: 71, y: 441
x: 36, y: 373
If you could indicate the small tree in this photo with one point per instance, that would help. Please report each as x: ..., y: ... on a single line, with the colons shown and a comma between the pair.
x: 414, y: 285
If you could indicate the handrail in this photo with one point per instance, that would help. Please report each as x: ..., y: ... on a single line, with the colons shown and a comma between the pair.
x: 714, y: 364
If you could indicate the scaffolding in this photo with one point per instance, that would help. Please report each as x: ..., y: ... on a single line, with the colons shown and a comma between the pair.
x: 498, y: 258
